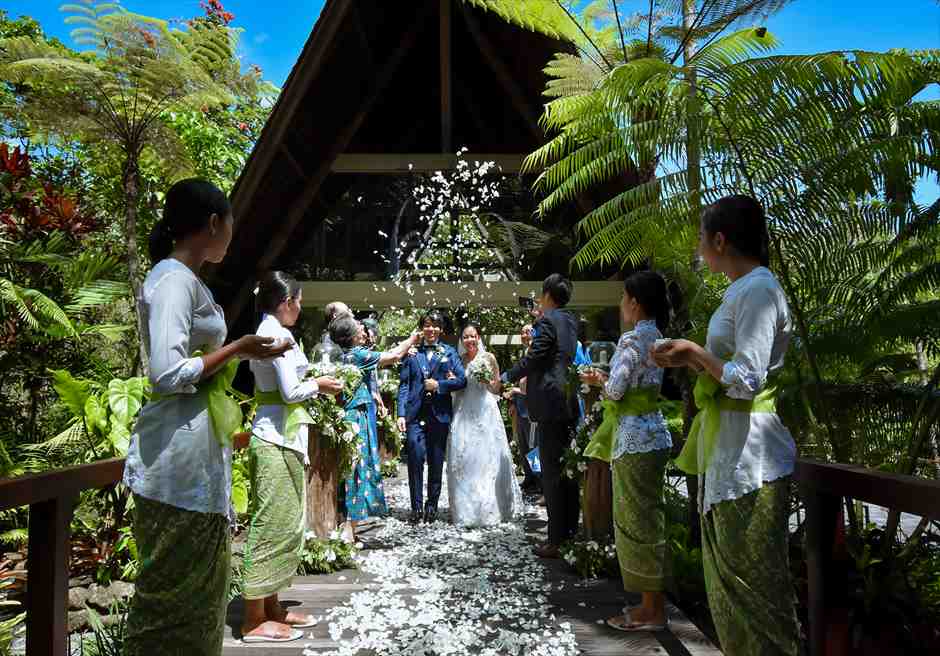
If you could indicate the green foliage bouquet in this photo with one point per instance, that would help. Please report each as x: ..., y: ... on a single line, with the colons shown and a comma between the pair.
x: 391, y: 436
x: 591, y: 559
x: 574, y: 462
x: 326, y: 556
x: 480, y: 371
x: 329, y: 417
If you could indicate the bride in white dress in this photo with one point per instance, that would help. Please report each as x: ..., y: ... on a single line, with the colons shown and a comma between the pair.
x: 481, y: 478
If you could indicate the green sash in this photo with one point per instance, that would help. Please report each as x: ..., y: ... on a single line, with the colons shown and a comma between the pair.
x: 224, y: 412
x: 635, y: 402
x: 297, y: 414
x: 711, y: 400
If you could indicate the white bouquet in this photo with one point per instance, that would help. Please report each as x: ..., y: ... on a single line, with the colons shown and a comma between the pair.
x: 480, y: 370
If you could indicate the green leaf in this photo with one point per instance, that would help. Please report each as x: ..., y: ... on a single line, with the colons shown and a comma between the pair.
x: 125, y: 397
x: 239, y: 492
x: 119, y: 437
x: 96, y: 415
x: 73, y: 392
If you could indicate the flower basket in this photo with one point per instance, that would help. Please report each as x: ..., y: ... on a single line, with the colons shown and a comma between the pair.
x: 322, y: 486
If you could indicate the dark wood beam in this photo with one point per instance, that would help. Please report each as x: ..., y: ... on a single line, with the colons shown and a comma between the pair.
x: 447, y: 77
x: 289, y: 156
x: 299, y: 207
x: 306, y: 69
x: 394, y: 163
x: 516, y: 95
x: 366, y: 44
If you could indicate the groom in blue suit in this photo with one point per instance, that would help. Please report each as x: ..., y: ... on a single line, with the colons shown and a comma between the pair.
x: 426, y: 380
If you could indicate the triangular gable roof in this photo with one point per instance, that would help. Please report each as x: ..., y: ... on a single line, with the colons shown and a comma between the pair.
x: 380, y: 78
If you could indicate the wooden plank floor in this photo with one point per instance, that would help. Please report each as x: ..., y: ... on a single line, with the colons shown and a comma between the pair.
x: 581, y: 603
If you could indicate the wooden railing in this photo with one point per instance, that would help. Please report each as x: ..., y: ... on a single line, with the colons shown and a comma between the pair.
x: 823, y: 486
x: 51, y: 497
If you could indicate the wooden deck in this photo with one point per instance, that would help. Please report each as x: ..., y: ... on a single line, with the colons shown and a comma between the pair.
x: 580, y: 603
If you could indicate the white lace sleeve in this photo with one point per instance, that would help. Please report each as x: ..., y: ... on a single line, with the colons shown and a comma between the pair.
x: 755, y: 326
x: 170, y: 326
x: 622, y: 366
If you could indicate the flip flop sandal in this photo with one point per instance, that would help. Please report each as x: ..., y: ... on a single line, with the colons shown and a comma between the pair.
x: 630, y: 627
x: 309, y: 624
x: 294, y: 635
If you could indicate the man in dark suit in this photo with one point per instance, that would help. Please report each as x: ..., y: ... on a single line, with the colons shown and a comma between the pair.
x: 426, y: 380
x: 546, y: 365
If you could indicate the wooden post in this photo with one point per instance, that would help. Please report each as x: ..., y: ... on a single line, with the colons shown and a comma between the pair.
x: 822, y: 513
x: 322, y: 488
x: 597, y: 497
x: 446, y: 53
x: 47, y: 592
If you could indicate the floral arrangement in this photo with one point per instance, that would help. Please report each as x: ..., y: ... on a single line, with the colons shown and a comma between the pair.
x: 389, y: 386
x: 574, y: 462
x: 480, y: 371
x: 326, y: 556
x: 591, y: 559
x: 329, y: 417
x: 390, y: 468
x: 391, y: 436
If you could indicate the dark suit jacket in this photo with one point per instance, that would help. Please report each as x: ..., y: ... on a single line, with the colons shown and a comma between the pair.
x: 546, y: 364
x: 411, y: 384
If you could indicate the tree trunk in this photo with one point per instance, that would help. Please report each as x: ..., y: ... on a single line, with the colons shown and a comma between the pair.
x: 131, y: 183
x: 322, y: 487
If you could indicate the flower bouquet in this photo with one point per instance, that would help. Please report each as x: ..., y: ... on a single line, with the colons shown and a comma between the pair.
x: 574, y: 462
x: 480, y: 371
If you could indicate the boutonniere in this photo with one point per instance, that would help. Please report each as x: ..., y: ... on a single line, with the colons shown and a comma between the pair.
x: 413, y: 351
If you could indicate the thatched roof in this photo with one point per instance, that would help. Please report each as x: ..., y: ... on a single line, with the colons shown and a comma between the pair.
x: 378, y: 79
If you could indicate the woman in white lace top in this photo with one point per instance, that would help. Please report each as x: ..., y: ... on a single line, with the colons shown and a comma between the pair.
x: 745, y: 465
x: 639, y: 450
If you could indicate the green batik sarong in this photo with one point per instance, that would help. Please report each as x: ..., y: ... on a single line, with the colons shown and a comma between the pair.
x: 182, y: 588
x: 278, y: 508
x: 747, y: 572
x: 640, y: 519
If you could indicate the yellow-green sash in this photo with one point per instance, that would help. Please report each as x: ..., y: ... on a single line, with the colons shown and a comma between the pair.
x: 224, y: 412
x: 711, y: 399
x: 297, y: 414
x: 635, y: 402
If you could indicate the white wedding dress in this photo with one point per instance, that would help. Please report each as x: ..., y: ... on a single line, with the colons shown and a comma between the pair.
x: 481, y: 478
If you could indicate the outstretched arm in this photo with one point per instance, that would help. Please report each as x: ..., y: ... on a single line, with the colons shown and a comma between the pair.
x: 540, y: 352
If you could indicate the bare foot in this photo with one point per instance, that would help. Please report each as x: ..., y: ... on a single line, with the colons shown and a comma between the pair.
x: 643, y: 615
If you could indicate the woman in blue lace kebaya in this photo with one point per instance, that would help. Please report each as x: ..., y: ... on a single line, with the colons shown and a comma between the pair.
x: 637, y: 444
x: 364, y: 494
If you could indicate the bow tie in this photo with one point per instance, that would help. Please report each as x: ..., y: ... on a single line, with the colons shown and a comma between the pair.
x: 428, y: 349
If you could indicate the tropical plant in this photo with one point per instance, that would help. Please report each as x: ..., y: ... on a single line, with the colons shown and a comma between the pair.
x: 119, y: 92
x: 326, y: 556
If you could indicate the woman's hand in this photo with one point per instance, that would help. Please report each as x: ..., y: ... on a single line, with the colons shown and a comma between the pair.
x: 594, y: 378
x: 677, y: 353
x: 255, y: 347
x: 329, y: 385
x: 402, y: 425
x: 430, y: 385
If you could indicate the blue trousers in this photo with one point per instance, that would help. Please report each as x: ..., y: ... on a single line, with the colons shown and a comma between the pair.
x: 427, y: 442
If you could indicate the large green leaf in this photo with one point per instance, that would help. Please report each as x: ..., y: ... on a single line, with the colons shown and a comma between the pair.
x: 239, y: 491
x: 125, y: 398
x: 73, y: 392
x: 119, y: 437
x: 96, y: 415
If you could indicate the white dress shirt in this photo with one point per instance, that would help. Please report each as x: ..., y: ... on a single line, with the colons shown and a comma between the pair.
x: 174, y: 456
x: 284, y: 374
x: 751, y: 330
x: 632, y: 368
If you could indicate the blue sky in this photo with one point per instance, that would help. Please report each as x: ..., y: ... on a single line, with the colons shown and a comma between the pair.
x: 275, y: 30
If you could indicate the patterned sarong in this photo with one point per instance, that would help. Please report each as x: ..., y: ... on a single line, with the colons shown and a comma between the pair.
x: 278, y: 509
x: 182, y: 589
x: 640, y: 519
x: 747, y: 573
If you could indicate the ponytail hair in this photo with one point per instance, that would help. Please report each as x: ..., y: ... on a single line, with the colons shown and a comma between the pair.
x: 742, y: 221
x: 186, y: 211
x: 273, y: 289
x: 649, y: 289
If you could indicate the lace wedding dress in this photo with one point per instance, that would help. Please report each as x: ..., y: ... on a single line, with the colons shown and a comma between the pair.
x: 481, y: 478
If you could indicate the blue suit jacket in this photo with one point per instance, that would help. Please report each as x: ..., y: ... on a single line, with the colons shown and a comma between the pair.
x: 411, y: 392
